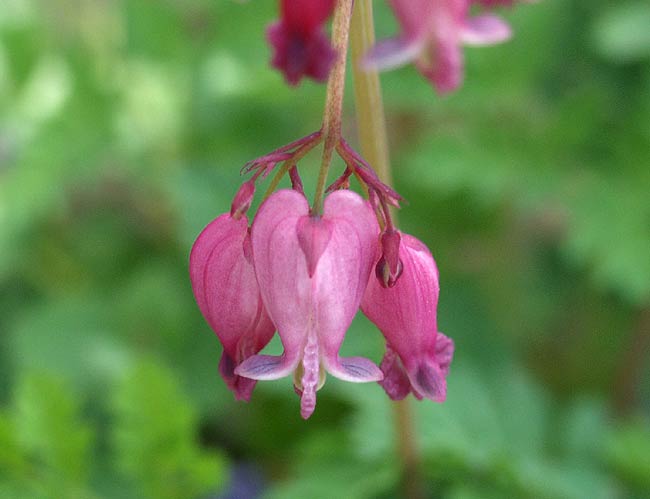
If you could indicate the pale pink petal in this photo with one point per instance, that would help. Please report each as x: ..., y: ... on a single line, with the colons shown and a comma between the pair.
x: 392, y: 53
x: 283, y: 278
x: 486, y: 29
x: 341, y: 279
x: 310, y: 377
x: 266, y: 367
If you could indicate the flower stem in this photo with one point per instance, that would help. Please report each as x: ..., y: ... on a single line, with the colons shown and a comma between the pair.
x: 334, y: 100
x: 371, y: 125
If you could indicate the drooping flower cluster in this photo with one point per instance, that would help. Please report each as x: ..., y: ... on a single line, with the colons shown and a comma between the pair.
x: 432, y: 35
x: 306, y: 275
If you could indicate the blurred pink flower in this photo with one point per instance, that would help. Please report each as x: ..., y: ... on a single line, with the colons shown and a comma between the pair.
x: 225, y: 288
x: 301, y: 47
x: 432, y: 32
x: 312, y: 273
x: 417, y: 356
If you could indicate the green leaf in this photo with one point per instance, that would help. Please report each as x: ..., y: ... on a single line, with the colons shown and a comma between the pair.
x: 52, y: 436
x: 154, y: 438
x: 628, y: 452
x: 621, y: 32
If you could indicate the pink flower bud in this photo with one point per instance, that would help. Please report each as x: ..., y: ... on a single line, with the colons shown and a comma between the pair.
x: 301, y: 47
x: 418, y: 356
x: 312, y: 273
x: 225, y: 288
x: 243, y: 199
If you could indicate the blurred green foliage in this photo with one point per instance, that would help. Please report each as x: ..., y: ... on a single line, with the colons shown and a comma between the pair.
x: 123, y: 126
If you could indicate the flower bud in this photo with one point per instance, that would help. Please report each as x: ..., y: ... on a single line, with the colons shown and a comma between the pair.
x: 243, y: 199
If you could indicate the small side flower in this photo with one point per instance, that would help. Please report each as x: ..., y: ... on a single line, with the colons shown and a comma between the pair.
x: 432, y: 35
x: 417, y: 356
x: 226, y: 291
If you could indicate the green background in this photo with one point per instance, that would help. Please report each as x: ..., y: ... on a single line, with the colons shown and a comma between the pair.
x: 123, y: 127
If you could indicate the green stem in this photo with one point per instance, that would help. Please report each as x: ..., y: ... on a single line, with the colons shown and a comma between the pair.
x: 371, y: 125
x: 334, y: 100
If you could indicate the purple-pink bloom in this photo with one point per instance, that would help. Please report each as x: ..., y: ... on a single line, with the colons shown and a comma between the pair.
x: 225, y: 288
x: 432, y: 32
x: 301, y: 48
x: 418, y: 355
x: 312, y: 273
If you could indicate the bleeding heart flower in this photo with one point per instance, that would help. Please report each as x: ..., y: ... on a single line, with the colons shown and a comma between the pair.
x: 301, y: 47
x: 312, y: 273
x: 418, y: 355
x: 225, y: 288
x: 431, y: 37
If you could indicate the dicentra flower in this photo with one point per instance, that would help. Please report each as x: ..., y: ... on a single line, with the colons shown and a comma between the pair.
x: 312, y: 273
x: 225, y: 288
x: 432, y: 33
x: 300, y: 45
x: 417, y: 355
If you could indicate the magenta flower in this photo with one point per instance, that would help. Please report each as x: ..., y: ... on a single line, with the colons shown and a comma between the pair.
x: 432, y: 32
x: 225, y: 288
x: 418, y: 355
x: 301, y: 46
x: 312, y: 272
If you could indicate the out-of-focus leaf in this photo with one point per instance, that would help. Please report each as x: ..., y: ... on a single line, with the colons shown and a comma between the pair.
x: 621, y: 32
x: 155, y: 438
x: 628, y: 451
x: 492, y: 430
x: 52, y: 437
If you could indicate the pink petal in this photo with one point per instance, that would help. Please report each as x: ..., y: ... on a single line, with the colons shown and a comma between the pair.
x: 414, y: 16
x: 341, y: 279
x: 266, y: 367
x: 304, y: 16
x: 396, y: 382
x: 314, y: 234
x: 225, y: 288
x: 444, y: 68
x: 296, y: 57
x: 392, y: 53
x: 486, y: 29
x: 283, y: 280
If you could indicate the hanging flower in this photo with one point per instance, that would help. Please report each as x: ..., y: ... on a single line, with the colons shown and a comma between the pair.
x: 417, y: 356
x: 225, y: 288
x: 432, y: 32
x: 312, y: 273
x: 301, y: 48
